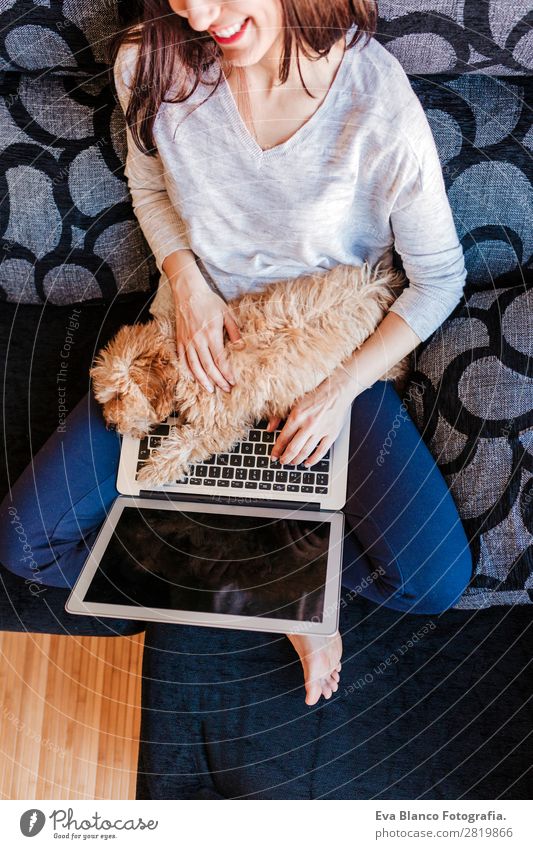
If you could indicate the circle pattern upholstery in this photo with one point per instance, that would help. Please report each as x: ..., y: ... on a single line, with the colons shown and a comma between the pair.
x: 68, y: 233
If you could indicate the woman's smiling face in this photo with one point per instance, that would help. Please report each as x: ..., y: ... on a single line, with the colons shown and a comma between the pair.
x: 245, y: 30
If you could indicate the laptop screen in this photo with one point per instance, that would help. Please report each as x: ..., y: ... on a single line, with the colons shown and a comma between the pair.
x: 215, y: 563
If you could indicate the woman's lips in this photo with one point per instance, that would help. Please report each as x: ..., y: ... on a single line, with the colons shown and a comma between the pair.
x: 232, y: 38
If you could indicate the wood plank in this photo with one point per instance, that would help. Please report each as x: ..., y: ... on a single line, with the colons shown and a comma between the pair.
x: 69, y: 716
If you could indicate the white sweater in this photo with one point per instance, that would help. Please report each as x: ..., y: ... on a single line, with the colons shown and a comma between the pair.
x: 361, y: 175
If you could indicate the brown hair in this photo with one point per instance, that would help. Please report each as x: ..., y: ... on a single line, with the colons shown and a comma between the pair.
x: 313, y: 26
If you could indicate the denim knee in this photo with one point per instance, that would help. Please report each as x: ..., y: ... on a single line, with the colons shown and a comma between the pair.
x: 438, y: 585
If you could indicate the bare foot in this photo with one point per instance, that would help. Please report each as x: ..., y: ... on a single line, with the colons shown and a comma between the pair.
x: 321, y: 661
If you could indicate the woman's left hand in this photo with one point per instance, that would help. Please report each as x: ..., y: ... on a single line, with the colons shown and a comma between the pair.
x: 314, y: 423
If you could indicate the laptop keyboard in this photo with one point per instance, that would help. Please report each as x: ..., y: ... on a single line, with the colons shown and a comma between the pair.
x: 248, y: 466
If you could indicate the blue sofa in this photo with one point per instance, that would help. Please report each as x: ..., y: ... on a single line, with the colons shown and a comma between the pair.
x: 222, y: 712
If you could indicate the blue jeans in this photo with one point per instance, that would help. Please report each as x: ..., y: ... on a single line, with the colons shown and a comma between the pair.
x: 405, y: 546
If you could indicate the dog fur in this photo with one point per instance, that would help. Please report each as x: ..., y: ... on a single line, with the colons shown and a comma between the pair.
x: 294, y: 334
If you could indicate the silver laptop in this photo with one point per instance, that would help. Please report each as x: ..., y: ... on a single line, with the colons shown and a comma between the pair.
x: 237, y: 497
x: 245, y: 472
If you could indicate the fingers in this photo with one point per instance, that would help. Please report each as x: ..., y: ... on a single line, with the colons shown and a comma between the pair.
x: 202, y: 364
x: 231, y: 326
x: 294, y: 454
x: 297, y: 448
x: 273, y: 422
x: 201, y: 352
x: 220, y: 358
x: 205, y: 355
x: 305, y: 451
x: 290, y: 428
x: 319, y: 452
x: 182, y: 356
x: 196, y: 368
x: 200, y: 330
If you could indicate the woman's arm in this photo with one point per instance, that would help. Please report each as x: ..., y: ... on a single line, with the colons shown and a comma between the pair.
x: 161, y: 225
x: 200, y: 314
x: 183, y: 274
x: 426, y: 239
x: 392, y: 340
x: 424, y: 230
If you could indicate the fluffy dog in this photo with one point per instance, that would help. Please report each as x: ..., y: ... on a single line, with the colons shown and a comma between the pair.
x: 294, y: 334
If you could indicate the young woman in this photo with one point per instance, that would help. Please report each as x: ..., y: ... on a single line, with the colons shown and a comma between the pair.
x: 268, y: 138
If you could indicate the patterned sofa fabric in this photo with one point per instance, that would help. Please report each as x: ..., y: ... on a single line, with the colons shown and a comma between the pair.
x: 68, y: 233
x: 61, y: 36
x: 474, y: 407
x: 471, y: 391
x: 67, y: 229
x: 427, y: 36
x: 458, y: 36
x: 483, y: 132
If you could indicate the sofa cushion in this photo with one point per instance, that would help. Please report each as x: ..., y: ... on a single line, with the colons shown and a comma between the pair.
x: 474, y: 384
x: 429, y: 707
x: 69, y: 36
x: 67, y: 228
x: 68, y: 231
x: 482, y: 129
x: 474, y: 407
x: 427, y: 36
x: 454, y: 36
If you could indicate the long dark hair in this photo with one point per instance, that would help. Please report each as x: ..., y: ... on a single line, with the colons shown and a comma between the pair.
x: 311, y: 26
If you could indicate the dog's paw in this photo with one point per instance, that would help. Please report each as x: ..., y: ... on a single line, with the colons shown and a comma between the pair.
x: 159, y: 471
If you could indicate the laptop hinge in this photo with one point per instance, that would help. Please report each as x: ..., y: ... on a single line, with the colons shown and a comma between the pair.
x: 229, y: 499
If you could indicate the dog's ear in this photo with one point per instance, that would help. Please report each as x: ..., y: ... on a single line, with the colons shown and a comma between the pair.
x: 110, y: 370
x: 157, y: 381
x: 109, y: 375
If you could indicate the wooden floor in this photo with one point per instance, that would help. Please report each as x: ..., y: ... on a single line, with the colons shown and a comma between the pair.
x: 69, y: 716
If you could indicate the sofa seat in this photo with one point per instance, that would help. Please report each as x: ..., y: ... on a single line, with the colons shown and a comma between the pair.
x: 429, y: 707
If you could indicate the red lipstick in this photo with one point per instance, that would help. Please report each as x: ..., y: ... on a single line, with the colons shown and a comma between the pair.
x: 233, y: 38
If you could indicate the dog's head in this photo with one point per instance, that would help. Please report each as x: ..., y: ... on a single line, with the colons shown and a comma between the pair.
x: 134, y: 378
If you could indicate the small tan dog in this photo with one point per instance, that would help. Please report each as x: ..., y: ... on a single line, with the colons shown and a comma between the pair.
x: 294, y: 334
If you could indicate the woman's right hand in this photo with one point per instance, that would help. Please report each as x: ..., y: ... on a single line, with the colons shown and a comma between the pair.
x: 201, y: 316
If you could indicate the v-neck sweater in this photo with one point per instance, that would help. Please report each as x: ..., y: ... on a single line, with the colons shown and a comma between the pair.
x: 362, y: 175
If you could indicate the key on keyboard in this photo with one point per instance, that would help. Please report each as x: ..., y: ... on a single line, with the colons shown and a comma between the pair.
x: 248, y: 464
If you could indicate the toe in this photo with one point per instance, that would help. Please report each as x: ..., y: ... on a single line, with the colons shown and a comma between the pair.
x: 313, y: 692
x: 335, y: 675
x: 326, y: 691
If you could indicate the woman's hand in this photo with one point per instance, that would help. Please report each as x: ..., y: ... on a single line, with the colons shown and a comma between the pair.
x: 314, y: 422
x: 201, y: 316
